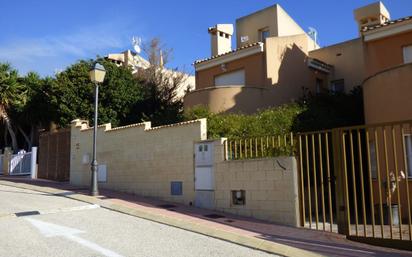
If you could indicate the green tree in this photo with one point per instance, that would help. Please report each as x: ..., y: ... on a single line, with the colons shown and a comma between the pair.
x: 12, y: 97
x: 38, y: 112
x: 73, y: 94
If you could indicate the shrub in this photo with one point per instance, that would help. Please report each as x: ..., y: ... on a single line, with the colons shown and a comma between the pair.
x: 330, y: 110
x: 272, y: 121
x: 313, y: 112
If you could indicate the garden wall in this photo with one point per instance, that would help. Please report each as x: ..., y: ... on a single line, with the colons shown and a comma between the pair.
x: 138, y: 158
x: 270, y: 187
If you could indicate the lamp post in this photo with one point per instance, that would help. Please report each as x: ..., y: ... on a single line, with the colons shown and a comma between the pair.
x: 96, y: 74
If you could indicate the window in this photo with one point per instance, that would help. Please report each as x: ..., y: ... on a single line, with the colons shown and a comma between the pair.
x: 337, y: 86
x: 408, y: 153
x: 235, y: 78
x: 407, y: 54
x: 264, y: 33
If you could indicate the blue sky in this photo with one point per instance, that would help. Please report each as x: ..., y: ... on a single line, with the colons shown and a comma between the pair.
x: 45, y: 36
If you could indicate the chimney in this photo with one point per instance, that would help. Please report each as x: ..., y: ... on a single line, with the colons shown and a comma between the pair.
x: 371, y: 15
x: 221, y: 38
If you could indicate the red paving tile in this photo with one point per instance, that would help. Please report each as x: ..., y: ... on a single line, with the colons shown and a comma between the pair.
x: 326, y: 243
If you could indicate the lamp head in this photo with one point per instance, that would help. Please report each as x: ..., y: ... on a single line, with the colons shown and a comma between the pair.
x: 97, y: 73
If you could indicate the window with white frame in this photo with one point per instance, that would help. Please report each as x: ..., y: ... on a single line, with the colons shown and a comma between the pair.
x: 408, y: 153
x: 407, y: 54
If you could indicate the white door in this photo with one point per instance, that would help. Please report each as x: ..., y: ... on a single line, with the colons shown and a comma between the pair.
x: 204, y: 179
x: 235, y: 78
x: 203, y: 154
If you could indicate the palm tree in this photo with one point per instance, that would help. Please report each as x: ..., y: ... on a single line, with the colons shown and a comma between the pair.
x: 37, y: 111
x: 11, y: 95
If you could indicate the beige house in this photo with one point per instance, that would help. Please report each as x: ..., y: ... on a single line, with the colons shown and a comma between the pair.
x: 275, y: 59
x: 136, y: 62
x: 388, y: 66
x: 257, y: 74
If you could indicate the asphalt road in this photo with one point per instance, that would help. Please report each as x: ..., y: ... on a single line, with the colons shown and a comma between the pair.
x: 67, y: 227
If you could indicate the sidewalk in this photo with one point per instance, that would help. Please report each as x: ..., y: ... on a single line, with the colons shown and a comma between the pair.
x: 245, y: 231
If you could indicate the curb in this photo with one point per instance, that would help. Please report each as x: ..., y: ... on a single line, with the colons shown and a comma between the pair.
x: 247, y: 241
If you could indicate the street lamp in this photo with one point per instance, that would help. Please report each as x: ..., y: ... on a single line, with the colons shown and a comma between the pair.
x: 96, y: 74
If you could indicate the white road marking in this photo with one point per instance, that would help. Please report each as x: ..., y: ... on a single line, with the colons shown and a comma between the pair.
x: 77, y: 208
x: 53, y: 230
x: 53, y: 211
x: 325, y: 246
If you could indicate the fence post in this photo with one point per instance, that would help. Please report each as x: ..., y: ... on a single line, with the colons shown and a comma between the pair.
x: 33, y: 162
x: 339, y: 172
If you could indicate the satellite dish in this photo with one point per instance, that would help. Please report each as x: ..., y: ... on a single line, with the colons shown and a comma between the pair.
x: 137, y: 41
x: 314, y: 34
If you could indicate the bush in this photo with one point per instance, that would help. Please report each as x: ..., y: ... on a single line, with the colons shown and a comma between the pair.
x: 313, y: 112
x: 272, y: 121
x: 330, y: 110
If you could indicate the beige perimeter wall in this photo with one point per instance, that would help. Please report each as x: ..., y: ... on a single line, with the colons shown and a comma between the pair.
x: 144, y: 161
x: 270, y: 186
x: 139, y: 159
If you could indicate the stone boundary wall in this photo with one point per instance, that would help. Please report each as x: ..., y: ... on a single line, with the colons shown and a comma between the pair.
x: 270, y: 185
x: 139, y: 159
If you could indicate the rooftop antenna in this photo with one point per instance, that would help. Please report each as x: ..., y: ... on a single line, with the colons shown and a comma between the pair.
x: 136, y: 42
x: 313, y: 33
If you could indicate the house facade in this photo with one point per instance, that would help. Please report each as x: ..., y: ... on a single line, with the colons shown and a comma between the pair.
x: 388, y: 66
x: 254, y: 75
x: 276, y: 61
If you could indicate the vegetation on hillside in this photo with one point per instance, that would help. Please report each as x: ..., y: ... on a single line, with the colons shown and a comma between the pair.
x: 312, y: 112
x: 272, y: 121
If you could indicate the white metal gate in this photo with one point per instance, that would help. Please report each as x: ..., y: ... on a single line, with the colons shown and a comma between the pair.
x: 20, y: 164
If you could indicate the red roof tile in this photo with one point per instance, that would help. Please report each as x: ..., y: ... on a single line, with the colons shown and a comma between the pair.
x: 388, y: 23
x: 235, y: 50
